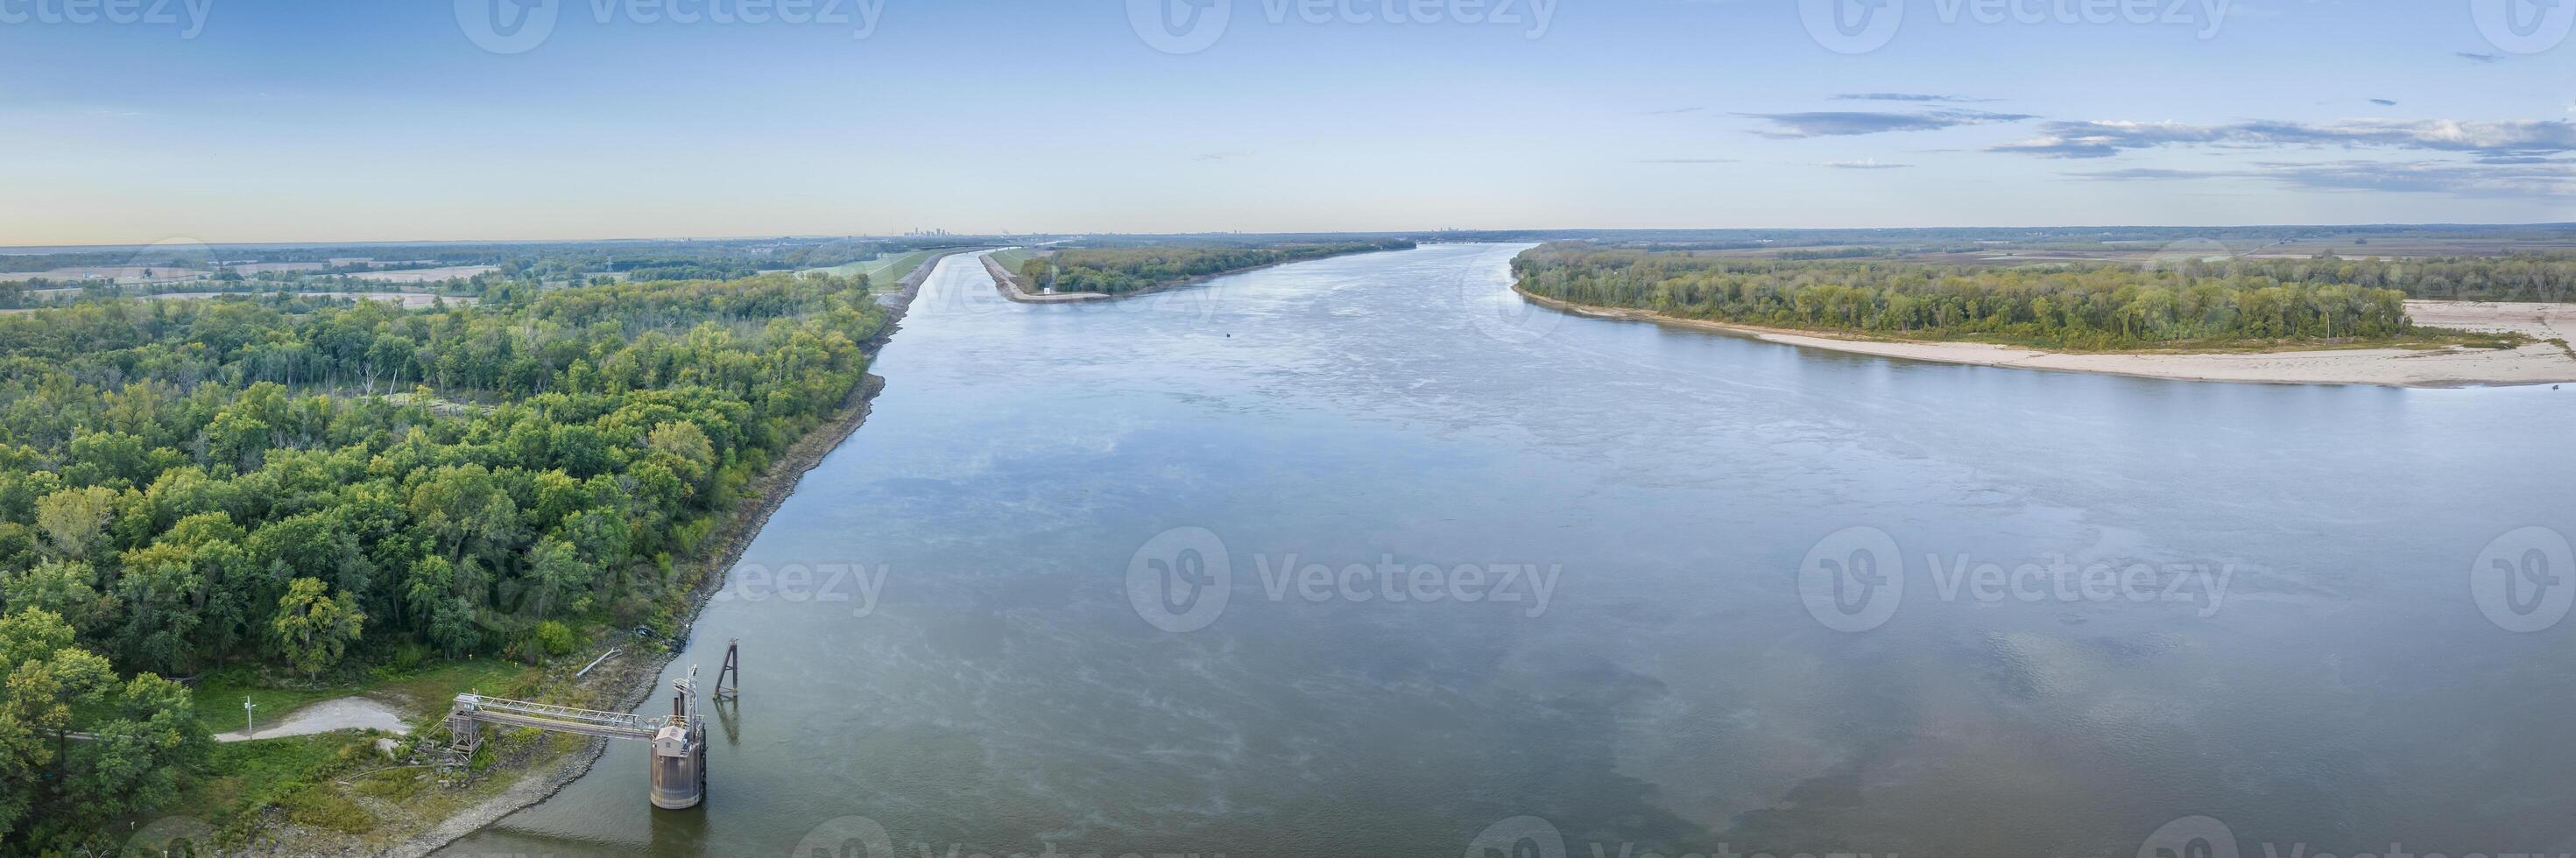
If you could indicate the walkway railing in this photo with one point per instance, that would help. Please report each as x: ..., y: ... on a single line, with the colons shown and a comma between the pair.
x: 473, y: 709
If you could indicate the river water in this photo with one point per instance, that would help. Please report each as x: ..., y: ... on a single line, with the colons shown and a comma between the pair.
x: 1593, y: 585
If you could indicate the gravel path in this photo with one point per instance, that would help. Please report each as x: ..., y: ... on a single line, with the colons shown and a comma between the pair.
x: 346, y: 713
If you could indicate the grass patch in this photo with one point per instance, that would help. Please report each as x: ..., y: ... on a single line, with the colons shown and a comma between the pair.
x: 2499, y: 340
x: 323, y: 808
x: 1010, y: 259
x: 429, y: 688
x: 883, y: 271
x: 425, y: 690
x: 242, y: 778
x: 219, y: 695
x: 399, y: 785
x: 298, y: 775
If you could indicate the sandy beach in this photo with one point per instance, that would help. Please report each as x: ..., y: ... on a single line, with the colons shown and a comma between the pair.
x: 2540, y: 362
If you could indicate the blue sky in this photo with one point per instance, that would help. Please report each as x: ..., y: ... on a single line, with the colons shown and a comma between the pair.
x: 313, y: 121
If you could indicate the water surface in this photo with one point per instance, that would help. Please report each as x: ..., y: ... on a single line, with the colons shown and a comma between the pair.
x: 1002, y: 693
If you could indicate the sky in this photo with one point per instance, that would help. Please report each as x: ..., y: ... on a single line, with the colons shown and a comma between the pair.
x: 141, y: 121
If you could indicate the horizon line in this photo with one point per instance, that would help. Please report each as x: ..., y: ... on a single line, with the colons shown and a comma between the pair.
x: 964, y: 235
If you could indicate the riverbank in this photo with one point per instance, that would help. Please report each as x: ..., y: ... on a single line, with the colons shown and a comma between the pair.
x: 1000, y: 690
x: 625, y: 681
x: 2539, y: 362
x: 1011, y: 287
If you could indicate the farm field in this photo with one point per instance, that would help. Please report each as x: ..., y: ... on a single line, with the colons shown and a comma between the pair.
x: 118, y: 273
x: 883, y: 269
x: 1011, y: 258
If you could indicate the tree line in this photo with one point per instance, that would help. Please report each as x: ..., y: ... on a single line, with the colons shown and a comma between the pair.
x: 2072, y: 306
x: 2518, y: 277
x: 307, y: 485
x: 1126, y: 270
x: 342, y: 267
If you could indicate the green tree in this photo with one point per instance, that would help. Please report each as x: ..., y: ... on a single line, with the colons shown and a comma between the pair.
x: 314, y: 628
x: 73, y: 519
x: 59, y: 588
x: 554, y: 569
x: 170, y: 470
x: 139, y: 733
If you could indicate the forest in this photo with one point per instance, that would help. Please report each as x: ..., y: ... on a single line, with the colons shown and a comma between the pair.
x: 1128, y: 270
x: 2080, y: 306
x: 312, y: 486
x: 62, y: 276
x: 2517, y: 277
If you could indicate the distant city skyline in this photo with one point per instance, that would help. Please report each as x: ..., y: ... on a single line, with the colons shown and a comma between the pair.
x: 245, y: 121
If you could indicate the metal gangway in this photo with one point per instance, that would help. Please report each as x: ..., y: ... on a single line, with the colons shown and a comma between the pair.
x: 474, y: 709
x: 679, y: 760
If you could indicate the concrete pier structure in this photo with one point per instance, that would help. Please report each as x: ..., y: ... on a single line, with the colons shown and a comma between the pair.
x: 678, y: 771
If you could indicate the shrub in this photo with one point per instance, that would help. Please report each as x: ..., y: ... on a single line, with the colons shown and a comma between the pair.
x: 554, y: 638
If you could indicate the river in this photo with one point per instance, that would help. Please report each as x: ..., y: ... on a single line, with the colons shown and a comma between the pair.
x: 1591, y: 585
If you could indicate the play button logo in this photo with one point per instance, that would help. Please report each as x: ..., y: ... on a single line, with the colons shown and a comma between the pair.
x: 1852, y: 26
x: 507, y: 26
